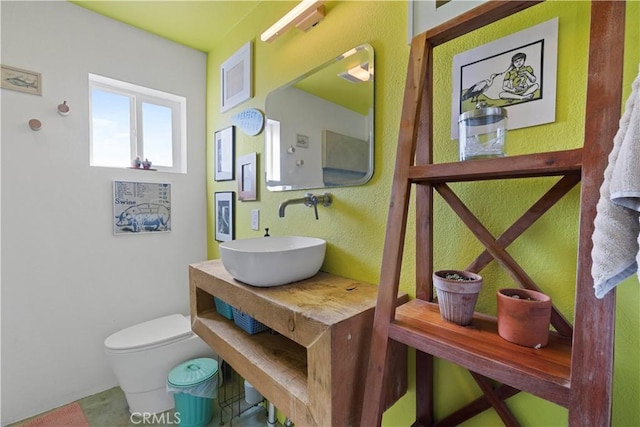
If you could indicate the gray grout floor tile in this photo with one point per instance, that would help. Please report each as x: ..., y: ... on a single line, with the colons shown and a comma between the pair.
x: 109, y: 409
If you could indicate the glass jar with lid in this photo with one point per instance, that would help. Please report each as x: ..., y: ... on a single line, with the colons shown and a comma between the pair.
x: 482, y: 133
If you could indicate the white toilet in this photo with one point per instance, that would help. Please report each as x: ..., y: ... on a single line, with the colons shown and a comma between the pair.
x: 142, y: 356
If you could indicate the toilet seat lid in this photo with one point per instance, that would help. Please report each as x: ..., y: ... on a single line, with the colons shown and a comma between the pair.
x: 151, y: 333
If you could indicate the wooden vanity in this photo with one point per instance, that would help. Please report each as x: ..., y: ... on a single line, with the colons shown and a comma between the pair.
x: 313, y: 367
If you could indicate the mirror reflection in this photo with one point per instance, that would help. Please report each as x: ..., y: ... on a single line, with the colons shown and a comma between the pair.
x: 319, y: 128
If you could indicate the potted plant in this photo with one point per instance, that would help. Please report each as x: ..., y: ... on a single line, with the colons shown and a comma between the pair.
x: 524, y: 316
x: 457, y: 292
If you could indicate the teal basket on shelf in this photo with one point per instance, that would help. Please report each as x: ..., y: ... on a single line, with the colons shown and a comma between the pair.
x: 223, y: 308
x: 248, y: 323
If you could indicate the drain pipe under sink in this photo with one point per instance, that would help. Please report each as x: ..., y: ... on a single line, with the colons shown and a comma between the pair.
x: 271, y: 418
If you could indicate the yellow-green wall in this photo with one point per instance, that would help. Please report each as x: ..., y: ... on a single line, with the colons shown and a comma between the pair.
x: 354, y: 225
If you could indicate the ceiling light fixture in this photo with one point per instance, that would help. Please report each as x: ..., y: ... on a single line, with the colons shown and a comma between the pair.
x: 304, y: 16
x: 357, y: 74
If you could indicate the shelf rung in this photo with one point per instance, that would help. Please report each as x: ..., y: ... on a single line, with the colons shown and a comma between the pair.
x: 543, y: 372
x: 553, y: 163
x: 279, y: 358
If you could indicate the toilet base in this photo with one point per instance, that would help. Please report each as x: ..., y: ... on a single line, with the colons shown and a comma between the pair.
x: 141, y: 365
x: 150, y: 402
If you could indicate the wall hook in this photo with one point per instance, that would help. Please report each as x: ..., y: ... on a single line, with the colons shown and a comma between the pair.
x: 35, y: 124
x: 63, y: 109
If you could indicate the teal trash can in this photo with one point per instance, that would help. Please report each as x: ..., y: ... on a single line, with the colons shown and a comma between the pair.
x: 194, y: 385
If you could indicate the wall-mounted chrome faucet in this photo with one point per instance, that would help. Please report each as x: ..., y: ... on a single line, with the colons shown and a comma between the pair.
x: 309, y: 200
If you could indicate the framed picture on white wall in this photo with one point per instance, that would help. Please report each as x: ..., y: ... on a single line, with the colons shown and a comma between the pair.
x: 141, y: 207
x: 21, y: 80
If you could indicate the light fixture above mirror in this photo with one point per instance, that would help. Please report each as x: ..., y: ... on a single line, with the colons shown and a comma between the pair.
x: 304, y: 16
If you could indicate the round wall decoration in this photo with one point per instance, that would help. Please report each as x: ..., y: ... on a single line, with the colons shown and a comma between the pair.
x: 250, y: 121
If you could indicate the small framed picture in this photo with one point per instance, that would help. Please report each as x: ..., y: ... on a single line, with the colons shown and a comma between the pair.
x: 426, y: 14
x: 247, y: 184
x: 235, y: 78
x: 223, y: 154
x: 224, y: 215
x: 21, y: 80
x: 302, y: 141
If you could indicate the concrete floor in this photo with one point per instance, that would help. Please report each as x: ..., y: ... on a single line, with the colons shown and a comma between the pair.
x: 110, y: 409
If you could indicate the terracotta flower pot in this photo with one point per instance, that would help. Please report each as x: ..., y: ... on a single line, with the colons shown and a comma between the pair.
x: 523, y: 317
x: 457, y: 295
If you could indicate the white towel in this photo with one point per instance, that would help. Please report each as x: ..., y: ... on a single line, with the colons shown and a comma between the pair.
x: 616, y: 237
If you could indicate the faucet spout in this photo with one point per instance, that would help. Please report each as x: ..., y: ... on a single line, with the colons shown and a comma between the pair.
x: 303, y: 200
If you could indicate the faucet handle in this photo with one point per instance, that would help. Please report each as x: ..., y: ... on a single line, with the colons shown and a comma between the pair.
x: 312, y: 200
x: 309, y: 200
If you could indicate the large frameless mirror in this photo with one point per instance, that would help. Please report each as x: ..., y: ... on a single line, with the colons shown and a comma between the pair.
x: 319, y: 127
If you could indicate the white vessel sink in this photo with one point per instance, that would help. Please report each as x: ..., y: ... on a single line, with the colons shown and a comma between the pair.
x: 273, y: 261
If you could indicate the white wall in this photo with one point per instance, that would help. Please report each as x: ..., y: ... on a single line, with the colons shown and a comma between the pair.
x: 67, y: 281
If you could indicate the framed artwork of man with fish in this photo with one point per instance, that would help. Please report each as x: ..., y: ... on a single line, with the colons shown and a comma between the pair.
x: 21, y: 80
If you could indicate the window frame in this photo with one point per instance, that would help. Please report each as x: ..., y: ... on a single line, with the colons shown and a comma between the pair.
x: 138, y: 95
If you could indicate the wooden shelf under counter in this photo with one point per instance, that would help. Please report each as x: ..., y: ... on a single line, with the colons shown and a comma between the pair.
x: 313, y: 366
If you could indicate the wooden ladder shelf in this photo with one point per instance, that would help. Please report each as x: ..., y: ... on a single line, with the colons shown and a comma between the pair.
x: 575, y: 369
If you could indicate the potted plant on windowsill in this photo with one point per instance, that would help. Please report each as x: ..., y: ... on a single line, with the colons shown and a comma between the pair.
x: 524, y: 316
x: 457, y: 292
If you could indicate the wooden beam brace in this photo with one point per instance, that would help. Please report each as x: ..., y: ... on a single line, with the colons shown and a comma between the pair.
x: 474, y: 408
x: 548, y: 200
x: 498, y: 404
x: 503, y: 258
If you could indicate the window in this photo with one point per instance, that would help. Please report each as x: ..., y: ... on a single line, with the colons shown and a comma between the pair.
x: 129, y: 121
x: 272, y: 154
